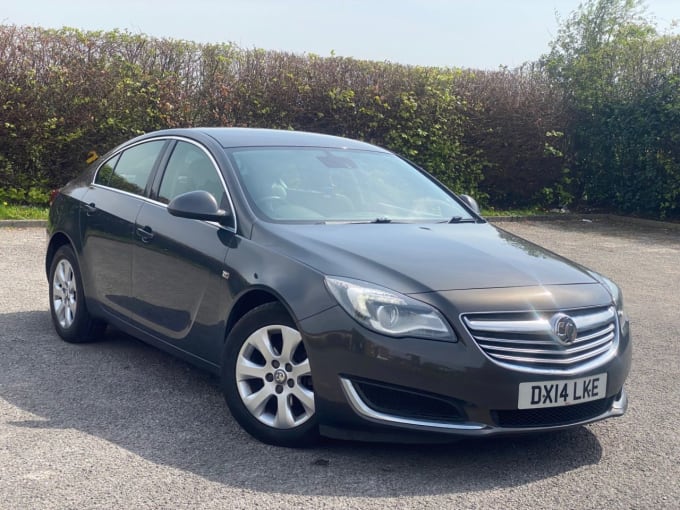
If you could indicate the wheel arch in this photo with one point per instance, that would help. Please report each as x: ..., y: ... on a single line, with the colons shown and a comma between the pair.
x: 58, y: 240
x: 250, y: 300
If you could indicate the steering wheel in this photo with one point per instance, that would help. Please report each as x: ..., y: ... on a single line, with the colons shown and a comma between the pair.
x: 432, y: 206
x: 270, y: 203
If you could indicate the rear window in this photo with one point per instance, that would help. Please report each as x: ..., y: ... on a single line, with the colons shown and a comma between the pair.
x: 130, y: 170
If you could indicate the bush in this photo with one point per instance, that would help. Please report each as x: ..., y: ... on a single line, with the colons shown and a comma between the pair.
x: 622, y: 91
x: 596, y: 122
x: 516, y: 123
x: 65, y: 93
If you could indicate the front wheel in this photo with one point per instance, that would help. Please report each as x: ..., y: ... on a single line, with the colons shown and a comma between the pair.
x: 69, y: 312
x: 267, y: 378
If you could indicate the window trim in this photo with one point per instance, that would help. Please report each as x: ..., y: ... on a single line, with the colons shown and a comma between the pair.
x: 158, y: 172
x: 150, y: 177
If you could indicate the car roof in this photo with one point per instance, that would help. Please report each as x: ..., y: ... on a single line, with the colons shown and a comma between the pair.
x: 229, y: 137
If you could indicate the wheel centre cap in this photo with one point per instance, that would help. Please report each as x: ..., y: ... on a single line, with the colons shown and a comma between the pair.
x: 280, y: 376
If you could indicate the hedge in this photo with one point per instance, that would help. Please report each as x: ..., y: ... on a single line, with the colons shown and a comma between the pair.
x: 65, y: 93
x: 527, y: 137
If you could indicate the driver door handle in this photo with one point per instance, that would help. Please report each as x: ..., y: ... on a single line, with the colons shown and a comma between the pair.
x: 145, y: 234
x: 89, y: 209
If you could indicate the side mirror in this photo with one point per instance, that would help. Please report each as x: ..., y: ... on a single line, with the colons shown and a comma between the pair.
x: 197, y: 205
x: 471, y: 203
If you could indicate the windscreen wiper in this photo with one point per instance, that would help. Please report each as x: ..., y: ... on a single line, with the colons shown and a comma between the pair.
x: 380, y: 219
x: 460, y: 219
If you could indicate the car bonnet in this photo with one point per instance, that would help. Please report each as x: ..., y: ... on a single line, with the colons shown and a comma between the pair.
x: 414, y: 258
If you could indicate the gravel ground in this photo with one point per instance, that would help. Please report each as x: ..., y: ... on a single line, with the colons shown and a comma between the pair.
x: 118, y: 424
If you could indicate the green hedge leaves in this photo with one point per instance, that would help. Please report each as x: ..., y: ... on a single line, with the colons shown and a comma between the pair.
x: 595, y: 122
x: 64, y: 93
x: 622, y: 93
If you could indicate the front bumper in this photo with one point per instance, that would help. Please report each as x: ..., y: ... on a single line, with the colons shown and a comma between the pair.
x: 618, y: 407
x: 433, y: 390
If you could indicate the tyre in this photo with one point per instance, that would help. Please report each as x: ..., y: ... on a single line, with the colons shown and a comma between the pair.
x: 67, y: 300
x: 267, y: 378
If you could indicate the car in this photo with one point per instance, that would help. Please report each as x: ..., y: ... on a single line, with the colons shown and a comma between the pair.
x: 336, y: 289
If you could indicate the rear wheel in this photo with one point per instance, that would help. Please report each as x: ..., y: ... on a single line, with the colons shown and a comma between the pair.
x: 67, y: 301
x: 267, y: 378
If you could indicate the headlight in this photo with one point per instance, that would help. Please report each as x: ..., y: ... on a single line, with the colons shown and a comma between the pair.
x: 389, y: 312
x: 617, y: 297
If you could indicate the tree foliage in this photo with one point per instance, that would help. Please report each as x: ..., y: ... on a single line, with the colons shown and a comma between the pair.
x: 622, y: 90
x: 594, y: 123
x: 64, y: 93
x: 516, y: 123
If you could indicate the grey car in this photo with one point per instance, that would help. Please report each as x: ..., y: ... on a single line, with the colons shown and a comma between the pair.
x: 335, y: 288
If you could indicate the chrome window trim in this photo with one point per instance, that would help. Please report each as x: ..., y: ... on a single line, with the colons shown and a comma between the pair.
x: 118, y: 153
x: 361, y: 408
x: 216, y: 167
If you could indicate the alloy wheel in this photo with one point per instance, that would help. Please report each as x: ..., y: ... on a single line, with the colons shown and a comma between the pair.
x: 273, y: 377
x: 64, y: 294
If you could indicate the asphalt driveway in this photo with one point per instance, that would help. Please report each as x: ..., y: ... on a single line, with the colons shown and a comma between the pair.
x: 118, y: 424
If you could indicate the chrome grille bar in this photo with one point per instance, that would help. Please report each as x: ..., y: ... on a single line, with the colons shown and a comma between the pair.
x: 560, y: 352
x: 586, y: 338
x: 569, y: 361
x: 523, y: 326
x: 526, y: 340
x: 539, y: 325
x: 511, y: 341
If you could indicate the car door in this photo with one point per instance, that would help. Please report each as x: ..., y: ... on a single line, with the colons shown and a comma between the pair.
x: 107, y: 221
x: 179, y: 277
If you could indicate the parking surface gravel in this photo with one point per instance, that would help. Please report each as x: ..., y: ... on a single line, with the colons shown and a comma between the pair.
x: 118, y: 424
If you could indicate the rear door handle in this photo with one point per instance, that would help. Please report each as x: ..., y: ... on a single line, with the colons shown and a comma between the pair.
x: 89, y: 209
x: 145, y: 234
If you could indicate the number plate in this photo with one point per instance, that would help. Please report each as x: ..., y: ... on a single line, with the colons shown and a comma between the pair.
x: 561, y: 393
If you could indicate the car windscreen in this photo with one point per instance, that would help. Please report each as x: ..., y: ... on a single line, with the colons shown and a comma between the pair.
x: 301, y: 184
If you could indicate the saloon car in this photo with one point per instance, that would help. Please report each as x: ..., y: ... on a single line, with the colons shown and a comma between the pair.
x: 335, y: 288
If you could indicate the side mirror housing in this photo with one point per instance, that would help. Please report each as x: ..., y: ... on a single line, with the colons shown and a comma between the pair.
x: 471, y: 203
x: 197, y: 205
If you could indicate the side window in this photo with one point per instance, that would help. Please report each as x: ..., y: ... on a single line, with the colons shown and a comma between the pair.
x: 132, y: 170
x: 106, y: 171
x: 190, y: 169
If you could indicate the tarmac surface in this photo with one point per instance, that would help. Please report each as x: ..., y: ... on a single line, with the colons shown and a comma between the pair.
x: 119, y: 424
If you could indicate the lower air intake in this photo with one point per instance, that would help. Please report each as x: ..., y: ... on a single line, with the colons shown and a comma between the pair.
x: 405, y: 403
x: 551, y: 416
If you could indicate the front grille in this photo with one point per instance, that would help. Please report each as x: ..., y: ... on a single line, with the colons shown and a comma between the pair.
x: 526, y: 340
x: 406, y: 403
x: 551, y: 416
